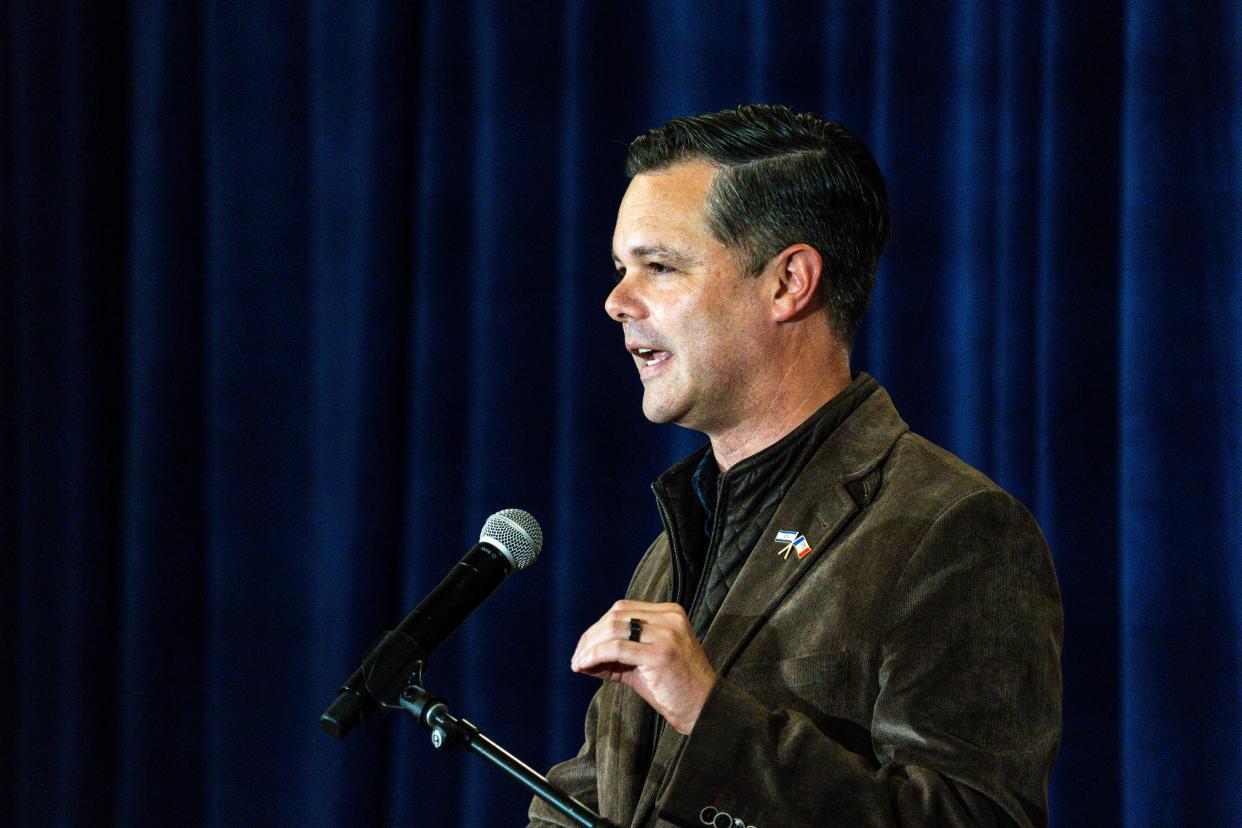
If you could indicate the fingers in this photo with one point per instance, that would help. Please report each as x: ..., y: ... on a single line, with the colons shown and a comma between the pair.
x: 611, y: 656
x: 665, y: 615
x: 666, y: 666
x: 625, y: 606
x: 653, y: 649
x: 654, y: 620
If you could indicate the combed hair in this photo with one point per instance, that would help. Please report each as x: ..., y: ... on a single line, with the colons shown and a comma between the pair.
x: 784, y: 178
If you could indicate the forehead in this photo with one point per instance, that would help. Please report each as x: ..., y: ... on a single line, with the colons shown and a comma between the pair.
x: 664, y: 206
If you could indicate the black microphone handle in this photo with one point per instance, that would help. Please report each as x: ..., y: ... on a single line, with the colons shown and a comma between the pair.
x: 387, y: 666
x: 469, y: 582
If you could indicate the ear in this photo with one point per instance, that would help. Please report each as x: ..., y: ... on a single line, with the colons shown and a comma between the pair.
x: 798, y: 271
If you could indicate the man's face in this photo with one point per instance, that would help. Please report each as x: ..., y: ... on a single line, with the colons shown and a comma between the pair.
x: 693, y: 324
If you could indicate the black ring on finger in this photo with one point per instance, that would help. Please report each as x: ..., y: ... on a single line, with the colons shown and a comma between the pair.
x: 636, y: 629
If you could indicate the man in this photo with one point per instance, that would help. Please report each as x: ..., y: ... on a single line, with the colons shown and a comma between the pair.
x: 841, y: 624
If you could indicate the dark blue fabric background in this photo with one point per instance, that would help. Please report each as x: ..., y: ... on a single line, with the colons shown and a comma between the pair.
x: 295, y: 295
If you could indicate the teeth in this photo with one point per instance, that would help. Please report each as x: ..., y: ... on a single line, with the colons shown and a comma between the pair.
x: 648, y: 352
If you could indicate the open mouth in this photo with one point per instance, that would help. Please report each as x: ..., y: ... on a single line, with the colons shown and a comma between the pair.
x: 650, y: 356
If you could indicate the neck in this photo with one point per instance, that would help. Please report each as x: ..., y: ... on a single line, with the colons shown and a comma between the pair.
x: 807, y: 382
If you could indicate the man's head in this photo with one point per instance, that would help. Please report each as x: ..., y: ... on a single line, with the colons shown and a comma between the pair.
x: 745, y: 249
x: 784, y: 178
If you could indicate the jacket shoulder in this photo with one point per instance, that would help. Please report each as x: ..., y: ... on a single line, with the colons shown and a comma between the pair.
x: 927, y: 478
x: 928, y: 493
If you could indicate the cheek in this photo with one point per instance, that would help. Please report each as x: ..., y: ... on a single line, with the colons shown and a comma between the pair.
x: 717, y: 335
x: 719, y: 353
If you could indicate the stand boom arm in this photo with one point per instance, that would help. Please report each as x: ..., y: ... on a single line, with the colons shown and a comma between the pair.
x: 448, y: 731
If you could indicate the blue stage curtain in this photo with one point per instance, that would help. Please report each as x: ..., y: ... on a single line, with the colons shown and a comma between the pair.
x: 295, y: 295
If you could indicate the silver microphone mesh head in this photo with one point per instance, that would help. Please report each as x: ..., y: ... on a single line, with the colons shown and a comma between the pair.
x: 515, y: 533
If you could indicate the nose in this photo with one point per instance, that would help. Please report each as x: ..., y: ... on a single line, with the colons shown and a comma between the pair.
x: 623, y: 303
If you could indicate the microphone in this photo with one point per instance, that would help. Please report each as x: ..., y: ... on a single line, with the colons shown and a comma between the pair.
x: 510, y: 540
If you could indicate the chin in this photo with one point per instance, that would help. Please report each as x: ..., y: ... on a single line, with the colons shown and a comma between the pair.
x: 659, y: 417
x: 658, y: 411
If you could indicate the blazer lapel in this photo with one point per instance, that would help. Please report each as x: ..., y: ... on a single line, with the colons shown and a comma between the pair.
x: 819, y: 506
x: 767, y: 576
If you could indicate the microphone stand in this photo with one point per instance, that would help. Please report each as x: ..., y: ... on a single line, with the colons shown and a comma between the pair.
x: 448, y: 731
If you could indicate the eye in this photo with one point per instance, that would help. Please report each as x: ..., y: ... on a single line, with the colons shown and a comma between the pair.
x: 659, y: 267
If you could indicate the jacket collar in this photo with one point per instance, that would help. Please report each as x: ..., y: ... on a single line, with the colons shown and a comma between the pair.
x: 744, y: 500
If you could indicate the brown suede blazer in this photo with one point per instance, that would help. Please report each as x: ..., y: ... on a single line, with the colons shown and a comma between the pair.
x: 905, y: 672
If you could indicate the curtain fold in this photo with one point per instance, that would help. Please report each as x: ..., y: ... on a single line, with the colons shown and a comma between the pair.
x: 296, y: 295
x: 1180, y: 405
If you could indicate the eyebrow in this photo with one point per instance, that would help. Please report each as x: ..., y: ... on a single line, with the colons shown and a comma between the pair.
x: 662, y: 252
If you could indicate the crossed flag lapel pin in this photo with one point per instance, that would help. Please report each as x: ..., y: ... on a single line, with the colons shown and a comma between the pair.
x: 793, y: 541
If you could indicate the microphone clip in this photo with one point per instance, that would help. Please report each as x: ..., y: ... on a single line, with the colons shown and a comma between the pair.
x: 393, y: 663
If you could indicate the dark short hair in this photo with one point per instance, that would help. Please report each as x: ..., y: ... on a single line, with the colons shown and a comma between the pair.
x: 784, y: 178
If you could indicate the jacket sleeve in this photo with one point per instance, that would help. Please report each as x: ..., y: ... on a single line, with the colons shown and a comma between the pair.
x: 968, y: 713
x: 579, y: 776
x: 575, y: 776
